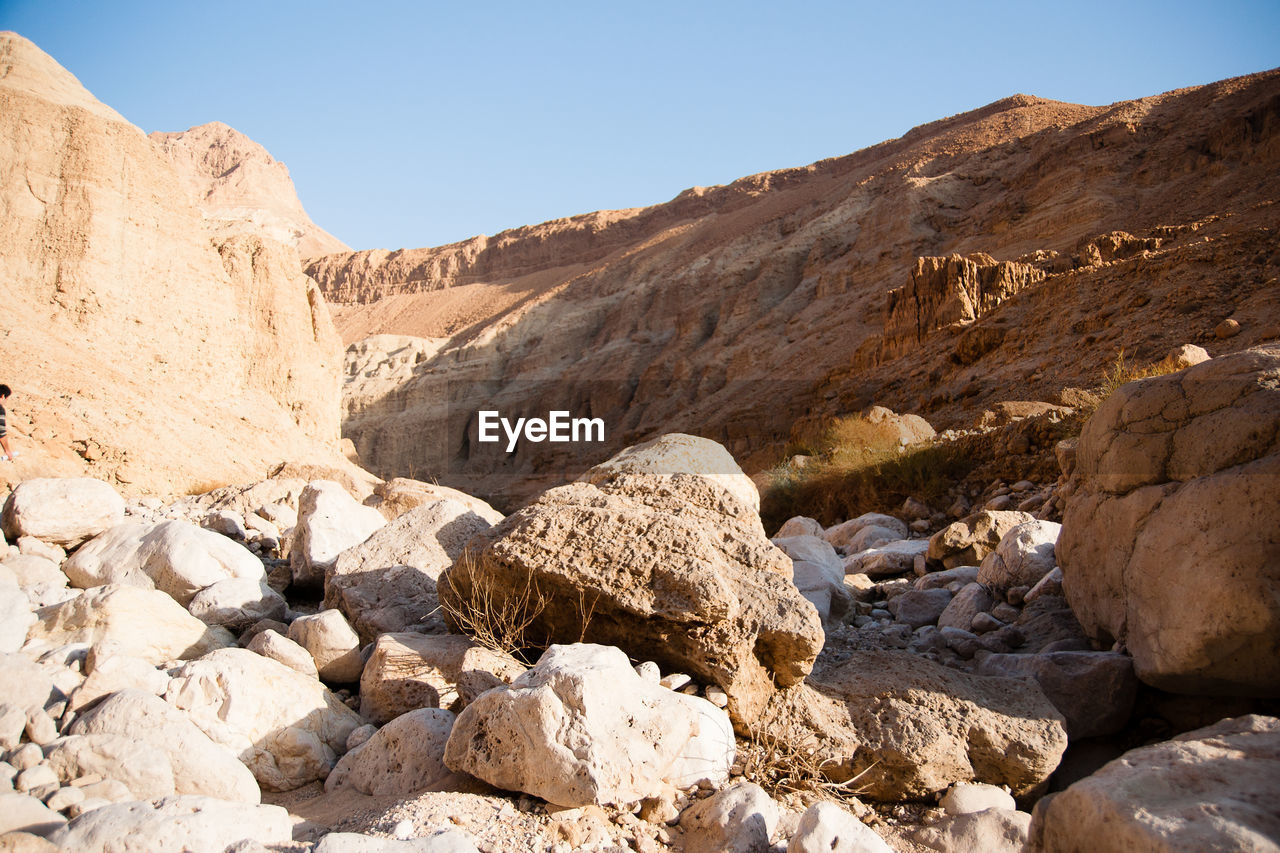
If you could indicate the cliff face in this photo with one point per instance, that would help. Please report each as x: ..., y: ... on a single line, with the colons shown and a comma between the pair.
x: 236, y: 183
x: 1001, y: 254
x: 144, y: 345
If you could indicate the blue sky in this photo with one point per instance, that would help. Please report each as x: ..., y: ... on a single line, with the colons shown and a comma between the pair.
x: 421, y: 123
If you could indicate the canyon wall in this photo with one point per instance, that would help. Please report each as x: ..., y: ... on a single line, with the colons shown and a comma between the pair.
x: 1002, y: 254
x: 146, y: 344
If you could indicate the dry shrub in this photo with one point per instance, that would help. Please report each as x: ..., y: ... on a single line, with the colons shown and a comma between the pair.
x: 1122, y: 371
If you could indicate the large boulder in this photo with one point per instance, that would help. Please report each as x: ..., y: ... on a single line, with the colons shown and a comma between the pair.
x: 404, y: 756
x: 129, y: 620
x: 20, y: 813
x: 39, y: 578
x: 869, y: 530
x: 1024, y: 556
x: 192, y: 824
x: 1215, y: 788
x: 968, y: 541
x: 287, y: 728
x: 1168, y: 540
x: 329, y: 522
x: 581, y: 727
x: 332, y: 644
x: 175, y: 557
x: 387, y: 583
x: 398, y: 495
x: 818, y: 573
x: 16, y: 615
x: 739, y: 819
x: 64, y: 511
x: 890, y: 558
x: 827, y: 828
x: 909, y: 728
x: 1094, y: 691
x: 198, y: 765
x: 659, y: 551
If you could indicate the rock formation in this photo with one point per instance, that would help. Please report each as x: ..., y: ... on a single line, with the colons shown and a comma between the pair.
x: 145, y: 345
x: 1003, y: 254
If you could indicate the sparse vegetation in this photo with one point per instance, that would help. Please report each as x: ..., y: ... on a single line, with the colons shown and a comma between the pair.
x: 1122, y: 371
x: 857, y: 466
x: 497, y: 620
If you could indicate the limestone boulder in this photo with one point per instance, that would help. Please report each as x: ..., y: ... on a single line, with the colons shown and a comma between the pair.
x: 918, y: 608
x: 192, y: 824
x: 25, y: 685
x: 404, y: 756
x: 868, y: 530
x: 409, y: 671
x: 1023, y: 557
x: 198, y: 765
x: 39, y: 578
x: 1167, y: 541
x: 332, y: 644
x: 827, y: 828
x: 129, y: 620
x: 1214, y: 788
x: 994, y: 830
x: 799, y: 526
x: 968, y: 541
x: 287, y: 728
x: 176, y: 557
x: 64, y: 511
x: 329, y: 522
x: 818, y: 573
x: 115, y: 673
x: 659, y: 551
x: 739, y: 819
x: 398, y: 495
x: 972, y: 599
x: 387, y: 583
x: 1094, y: 691
x: 912, y: 727
x: 890, y: 558
x: 142, y: 765
x: 16, y: 615
x: 20, y: 813
x: 272, y: 644
x: 581, y: 727
x: 236, y: 603
x: 964, y: 798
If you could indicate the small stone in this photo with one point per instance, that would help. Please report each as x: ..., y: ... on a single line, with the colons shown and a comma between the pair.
x: 999, y: 503
x: 1228, y: 328
x: 717, y: 697
x: 1005, y: 613
x: 966, y: 798
x: 648, y: 670
x: 12, y: 724
x: 920, y: 525
x: 675, y: 680
x: 65, y: 798
x: 1017, y: 594
x: 35, y: 777
x: 41, y: 728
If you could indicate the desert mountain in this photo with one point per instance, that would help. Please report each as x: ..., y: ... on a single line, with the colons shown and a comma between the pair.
x: 146, y: 344
x: 1003, y: 254
x: 233, y: 180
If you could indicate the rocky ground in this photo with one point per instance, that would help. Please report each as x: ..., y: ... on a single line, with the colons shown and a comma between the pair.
x: 281, y: 666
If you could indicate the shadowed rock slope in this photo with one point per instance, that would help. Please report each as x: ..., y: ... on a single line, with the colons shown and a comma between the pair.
x: 1002, y: 254
x: 145, y: 346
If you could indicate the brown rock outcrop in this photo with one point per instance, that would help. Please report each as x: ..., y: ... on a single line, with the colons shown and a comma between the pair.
x: 1168, y: 540
x: 143, y: 348
x: 741, y: 312
x: 658, y: 551
x: 236, y: 183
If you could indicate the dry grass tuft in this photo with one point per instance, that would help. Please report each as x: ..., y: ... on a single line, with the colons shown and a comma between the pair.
x: 497, y: 620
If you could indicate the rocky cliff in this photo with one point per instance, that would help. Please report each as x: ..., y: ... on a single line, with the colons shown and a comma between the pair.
x: 1002, y: 254
x: 235, y: 182
x: 145, y: 344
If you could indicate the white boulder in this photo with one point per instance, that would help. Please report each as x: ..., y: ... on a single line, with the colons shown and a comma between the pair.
x: 63, y: 511
x: 329, y: 522
x: 191, y: 824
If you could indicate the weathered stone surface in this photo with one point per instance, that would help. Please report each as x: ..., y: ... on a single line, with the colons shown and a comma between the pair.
x: 287, y: 728
x: 272, y: 644
x: 868, y: 530
x: 189, y: 823
x: 329, y: 522
x: 972, y: 599
x: 920, y: 607
x: 64, y: 511
x: 818, y: 573
x: 801, y: 525
x: 198, y: 765
x: 16, y: 614
x: 409, y: 671
x: 1024, y: 556
x: 968, y: 541
x: 129, y: 620
x: 1187, y: 355
x: 740, y: 819
x: 20, y: 813
x: 404, y: 756
x: 582, y: 727
x: 398, y: 495
x: 143, y: 764
x: 962, y: 575
x: 827, y: 828
x: 176, y: 557
x: 891, y: 558
x: 1215, y: 788
x: 1093, y: 690
x: 236, y: 603
x: 387, y: 583
x: 114, y: 673
x: 995, y: 830
x: 437, y: 841
x: 669, y: 563
x: 963, y: 798
x: 913, y: 727
x: 1167, y: 542
x: 24, y: 684
x: 333, y: 645
x: 25, y: 842
x: 39, y: 578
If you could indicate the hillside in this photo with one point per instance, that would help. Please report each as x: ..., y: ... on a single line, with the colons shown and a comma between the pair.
x: 740, y: 312
x: 146, y: 344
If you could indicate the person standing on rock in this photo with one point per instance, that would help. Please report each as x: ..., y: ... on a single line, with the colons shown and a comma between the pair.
x: 5, y: 391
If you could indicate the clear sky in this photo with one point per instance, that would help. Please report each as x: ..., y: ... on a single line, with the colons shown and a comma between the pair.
x: 420, y: 123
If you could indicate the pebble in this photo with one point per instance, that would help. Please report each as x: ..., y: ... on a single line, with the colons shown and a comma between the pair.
x: 648, y: 670
x: 717, y: 697
x: 65, y: 798
x: 675, y: 680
